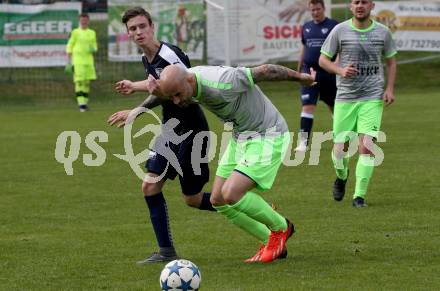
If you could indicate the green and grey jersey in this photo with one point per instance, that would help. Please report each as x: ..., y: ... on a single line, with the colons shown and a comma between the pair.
x: 230, y: 93
x: 364, y: 49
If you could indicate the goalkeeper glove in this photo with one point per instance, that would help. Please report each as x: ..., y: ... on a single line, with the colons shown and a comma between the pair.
x: 68, y: 69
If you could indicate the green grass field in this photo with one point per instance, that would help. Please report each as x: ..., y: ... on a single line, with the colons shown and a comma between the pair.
x: 84, y: 232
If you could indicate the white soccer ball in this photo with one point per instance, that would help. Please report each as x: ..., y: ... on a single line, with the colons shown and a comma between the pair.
x: 180, y: 275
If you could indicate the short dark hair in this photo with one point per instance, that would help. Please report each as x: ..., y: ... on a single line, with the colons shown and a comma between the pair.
x: 84, y: 15
x: 314, y: 2
x: 136, y: 11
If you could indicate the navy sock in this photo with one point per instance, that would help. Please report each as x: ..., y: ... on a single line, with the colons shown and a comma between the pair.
x: 159, y: 218
x: 205, y: 204
x: 306, y: 125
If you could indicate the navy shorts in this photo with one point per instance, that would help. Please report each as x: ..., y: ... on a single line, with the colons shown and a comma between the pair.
x: 325, y: 90
x: 190, y: 183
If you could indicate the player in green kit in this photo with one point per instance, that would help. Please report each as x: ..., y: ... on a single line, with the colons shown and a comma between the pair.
x: 254, y: 154
x: 360, y: 43
x: 80, y: 49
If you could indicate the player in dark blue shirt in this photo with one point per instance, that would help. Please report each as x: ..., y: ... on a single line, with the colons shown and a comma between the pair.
x: 313, y: 35
x: 156, y: 56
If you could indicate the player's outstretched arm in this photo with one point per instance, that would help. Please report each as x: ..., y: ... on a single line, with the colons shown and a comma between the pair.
x: 127, y: 87
x: 269, y: 72
x: 118, y: 118
x: 152, y: 101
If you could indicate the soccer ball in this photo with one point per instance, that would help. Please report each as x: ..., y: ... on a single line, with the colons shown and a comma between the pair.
x: 180, y: 275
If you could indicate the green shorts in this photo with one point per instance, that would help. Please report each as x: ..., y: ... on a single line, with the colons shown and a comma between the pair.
x: 353, y: 118
x: 258, y: 158
x: 84, y: 73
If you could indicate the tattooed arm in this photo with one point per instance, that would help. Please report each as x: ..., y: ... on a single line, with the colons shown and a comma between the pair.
x: 269, y: 72
x: 151, y: 102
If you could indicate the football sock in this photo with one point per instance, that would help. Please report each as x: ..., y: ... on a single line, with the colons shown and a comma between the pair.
x: 254, y: 206
x: 364, y: 171
x: 80, y: 98
x: 86, y: 98
x: 249, y: 225
x: 306, y: 125
x: 159, y: 218
x: 82, y: 89
x: 341, y: 166
x: 205, y: 204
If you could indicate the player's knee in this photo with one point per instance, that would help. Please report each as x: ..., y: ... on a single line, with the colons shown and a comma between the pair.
x: 366, y: 145
x: 230, y: 194
x: 150, y: 188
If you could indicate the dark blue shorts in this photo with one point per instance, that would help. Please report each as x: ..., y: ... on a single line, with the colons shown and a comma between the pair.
x: 190, y: 183
x: 324, y: 90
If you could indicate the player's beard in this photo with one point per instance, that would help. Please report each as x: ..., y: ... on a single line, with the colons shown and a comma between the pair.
x: 364, y: 18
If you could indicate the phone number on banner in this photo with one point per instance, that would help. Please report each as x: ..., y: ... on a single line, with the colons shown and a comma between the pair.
x: 417, y: 44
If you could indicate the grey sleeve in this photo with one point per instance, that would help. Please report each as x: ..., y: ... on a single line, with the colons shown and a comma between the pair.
x: 389, y: 49
x: 330, y: 47
x: 236, y: 81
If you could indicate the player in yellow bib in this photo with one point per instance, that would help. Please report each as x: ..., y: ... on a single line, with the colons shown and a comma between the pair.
x: 80, y: 49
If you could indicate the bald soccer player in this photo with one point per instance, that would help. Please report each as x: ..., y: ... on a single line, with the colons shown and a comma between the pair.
x: 254, y: 154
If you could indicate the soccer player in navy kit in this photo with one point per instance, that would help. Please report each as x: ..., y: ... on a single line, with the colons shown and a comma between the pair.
x: 313, y: 35
x: 156, y: 56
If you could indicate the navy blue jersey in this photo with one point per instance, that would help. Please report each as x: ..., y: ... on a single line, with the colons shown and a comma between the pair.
x: 190, y: 117
x: 313, y: 36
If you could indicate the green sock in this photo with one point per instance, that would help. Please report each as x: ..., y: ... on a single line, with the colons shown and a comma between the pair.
x: 341, y: 166
x: 81, y: 100
x: 254, y: 206
x: 249, y: 225
x: 364, y: 171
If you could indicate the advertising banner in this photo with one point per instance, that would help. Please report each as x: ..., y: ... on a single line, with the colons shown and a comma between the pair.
x: 257, y: 31
x: 36, y: 35
x: 177, y: 22
x: 415, y: 24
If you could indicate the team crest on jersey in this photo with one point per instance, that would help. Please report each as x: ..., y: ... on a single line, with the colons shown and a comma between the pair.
x: 158, y: 71
x: 307, y: 30
x: 324, y: 30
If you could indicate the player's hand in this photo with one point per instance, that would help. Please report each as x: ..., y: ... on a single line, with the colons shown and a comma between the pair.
x: 124, y: 87
x: 308, y: 80
x: 152, y: 84
x: 388, y: 97
x: 299, y: 8
x: 118, y: 118
x: 348, y: 71
x: 68, y: 69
